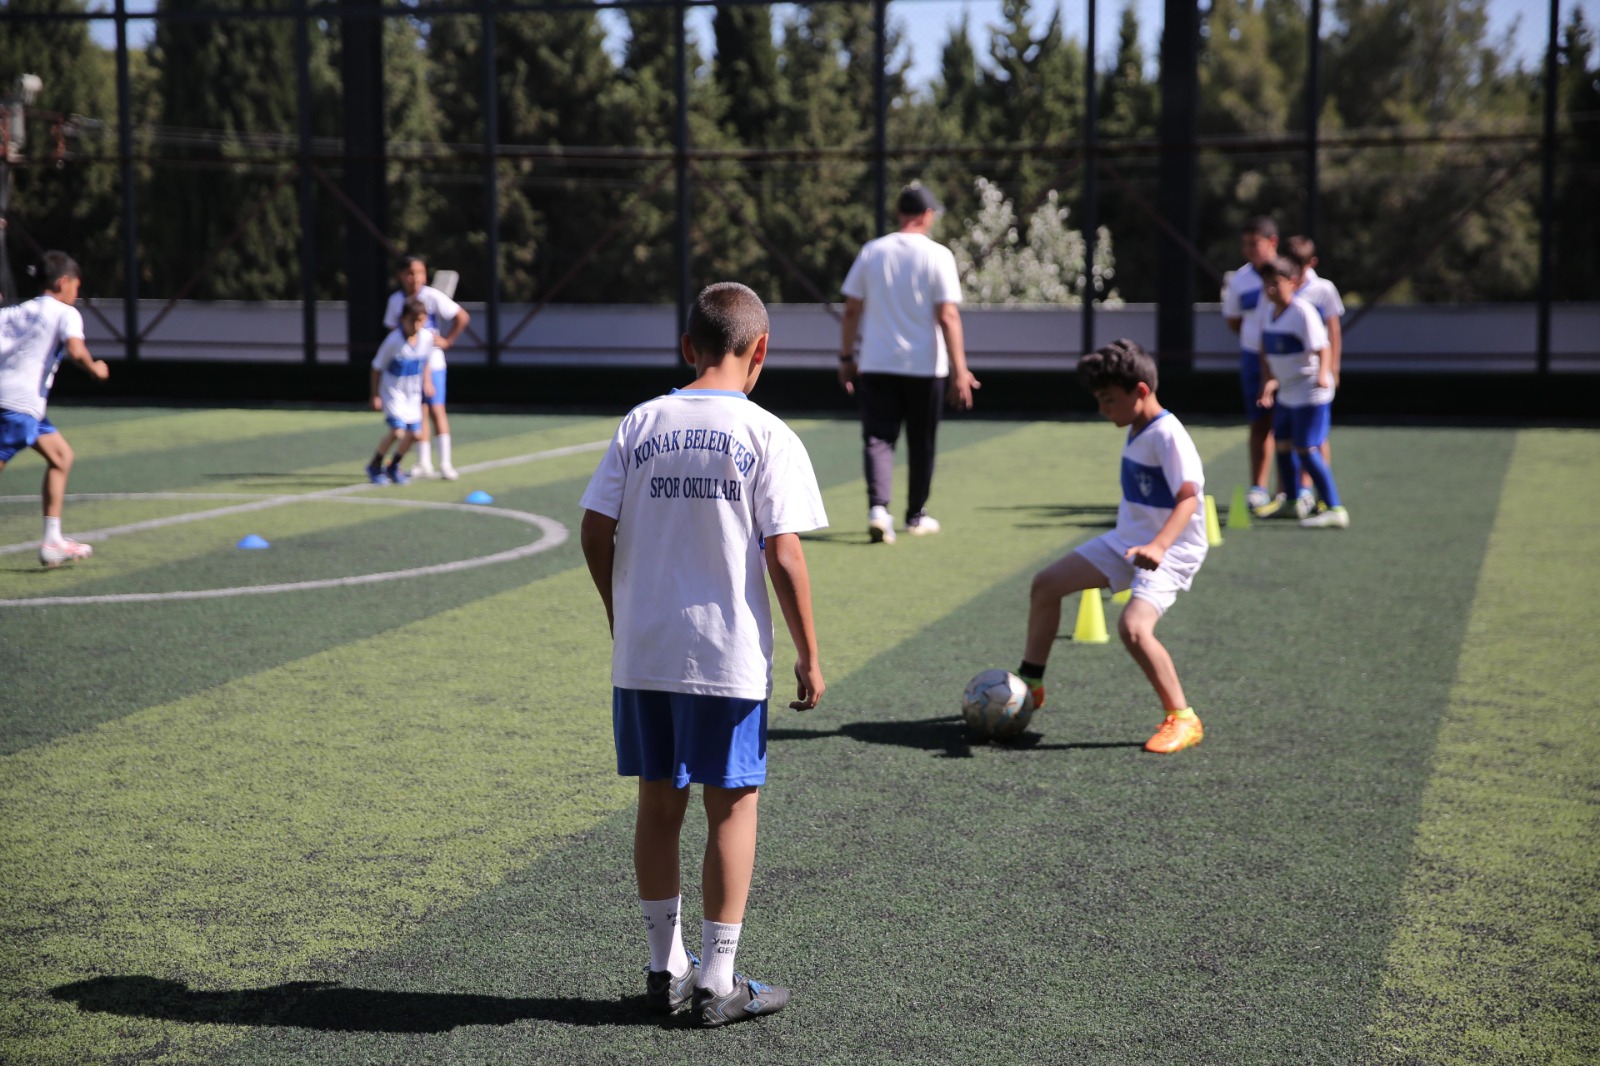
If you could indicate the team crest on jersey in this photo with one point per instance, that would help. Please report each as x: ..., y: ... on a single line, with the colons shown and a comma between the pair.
x: 1146, y: 482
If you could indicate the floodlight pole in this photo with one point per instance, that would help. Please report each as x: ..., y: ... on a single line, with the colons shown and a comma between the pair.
x: 1547, y: 192
x: 880, y: 111
x: 1180, y: 88
x: 681, y: 163
x: 306, y: 184
x: 130, y: 207
x: 1313, y: 112
x: 491, y: 183
x: 1091, y: 184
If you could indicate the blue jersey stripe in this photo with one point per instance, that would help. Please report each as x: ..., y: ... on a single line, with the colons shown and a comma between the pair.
x: 1282, y: 344
x: 1146, y: 485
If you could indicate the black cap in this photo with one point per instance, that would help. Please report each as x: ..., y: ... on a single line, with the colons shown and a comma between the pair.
x: 916, y: 199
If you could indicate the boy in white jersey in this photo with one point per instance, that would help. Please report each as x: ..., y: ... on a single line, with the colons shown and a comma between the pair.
x: 1297, y: 376
x: 446, y: 319
x: 400, y: 386
x: 700, y: 497
x: 1156, y: 548
x: 1258, y: 242
x: 33, y: 336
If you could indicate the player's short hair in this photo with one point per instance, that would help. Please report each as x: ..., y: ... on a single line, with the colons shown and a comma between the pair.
x: 413, y: 309
x: 1278, y: 266
x: 405, y: 262
x: 1300, y: 250
x: 1122, y: 363
x: 1261, y: 226
x: 55, y: 267
x: 727, y: 318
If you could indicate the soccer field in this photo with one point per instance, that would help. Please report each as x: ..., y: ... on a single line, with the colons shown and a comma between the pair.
x: 352, y: 799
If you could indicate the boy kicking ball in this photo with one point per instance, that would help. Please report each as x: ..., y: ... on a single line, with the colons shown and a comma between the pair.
x: 1156, y: 548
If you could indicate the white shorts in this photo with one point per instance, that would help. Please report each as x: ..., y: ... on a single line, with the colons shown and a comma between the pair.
x: 1159, y: 587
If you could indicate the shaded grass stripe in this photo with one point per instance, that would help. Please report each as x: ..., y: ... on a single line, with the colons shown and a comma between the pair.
x: 555, y: 535
x: 274, y: 501
x: 1497, y: 947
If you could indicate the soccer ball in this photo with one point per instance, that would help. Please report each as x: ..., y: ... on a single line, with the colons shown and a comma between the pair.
x: 997, y: 705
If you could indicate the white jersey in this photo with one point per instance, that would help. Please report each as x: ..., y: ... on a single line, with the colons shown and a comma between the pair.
x: 442, y: 312
x: 1240, y: 297
x: 901, y: 279
x: 402, y: 364
x: 32, y: 336
x: 696, y: 480
x: 1292, y: 341
x: 1156, y: 461
x: 1321, y: 294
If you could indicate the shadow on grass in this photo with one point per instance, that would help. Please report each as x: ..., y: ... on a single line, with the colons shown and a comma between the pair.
x: 329, y: 1006
x: 1050, y: 515
x: 945, y: 736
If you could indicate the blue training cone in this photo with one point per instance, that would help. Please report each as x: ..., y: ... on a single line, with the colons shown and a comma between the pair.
x: 479, y: 497
x: 253, y: 543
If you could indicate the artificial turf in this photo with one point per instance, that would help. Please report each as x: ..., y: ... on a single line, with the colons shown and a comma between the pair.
x: 381, y: 824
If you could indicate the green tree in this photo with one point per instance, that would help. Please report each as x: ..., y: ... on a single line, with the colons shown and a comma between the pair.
x: 1577, y: 233
x: 1035, y: 91
x: 65, y: 188
x: 1130, y: 104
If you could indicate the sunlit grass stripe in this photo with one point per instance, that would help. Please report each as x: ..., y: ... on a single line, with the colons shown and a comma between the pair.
x: 264, y: 830
x: 172, y: 430
x: 1497, y: 951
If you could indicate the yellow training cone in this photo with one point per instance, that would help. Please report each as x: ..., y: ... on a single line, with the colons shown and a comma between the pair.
x: 1238, y: 512
x: 1213, y: 530
x: 1122, y: 597
x: 1091, y: 628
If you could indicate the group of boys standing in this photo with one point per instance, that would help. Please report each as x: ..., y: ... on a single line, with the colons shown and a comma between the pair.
x: 1287, y: 317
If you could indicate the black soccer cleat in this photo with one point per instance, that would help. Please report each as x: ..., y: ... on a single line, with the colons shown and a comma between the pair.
x: 749, y: 999
x: 666, y: 994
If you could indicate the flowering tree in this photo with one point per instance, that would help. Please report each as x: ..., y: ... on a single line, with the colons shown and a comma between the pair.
x: 998, y: 266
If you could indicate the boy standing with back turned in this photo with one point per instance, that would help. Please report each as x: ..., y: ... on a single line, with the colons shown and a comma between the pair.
x: 701, y: 495
x: 1156, y: 548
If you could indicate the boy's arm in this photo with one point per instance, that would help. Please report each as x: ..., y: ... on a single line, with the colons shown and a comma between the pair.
x: 849, y: 324
x: 1149, y: 556
x: 456, y: 326
x: 1335, y: 348
x: 1269, y: 382
x: 79, y: 352
x: 598, y: 535
x: 786, y: 562
x: 377, y: 404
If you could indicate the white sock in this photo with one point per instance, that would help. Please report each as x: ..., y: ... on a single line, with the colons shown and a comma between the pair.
x: 719, y: 943
x: 52, y: 529
x: 444, y: 449
x: 425, y: 454
x: 661, y: 926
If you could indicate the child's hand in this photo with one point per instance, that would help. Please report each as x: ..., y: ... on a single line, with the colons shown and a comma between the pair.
x: 1268, y: 391
x: 809, y: 686
x: 99, y: 370
x: 1323, y: 381
x: 377, y: 404
x: 1146, y: 556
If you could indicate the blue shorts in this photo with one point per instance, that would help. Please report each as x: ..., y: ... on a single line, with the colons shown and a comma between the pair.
x: 1308, y: 425
x: 1250, y: 384
x: 394, y: 423
x: 707, y: 740
x: 438, y: 390
x: 19, y: 431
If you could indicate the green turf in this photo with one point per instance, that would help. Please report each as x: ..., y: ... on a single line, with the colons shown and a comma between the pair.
x: 407, y: 794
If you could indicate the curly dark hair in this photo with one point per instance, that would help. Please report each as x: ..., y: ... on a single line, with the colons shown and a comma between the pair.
x: 1122, y: 363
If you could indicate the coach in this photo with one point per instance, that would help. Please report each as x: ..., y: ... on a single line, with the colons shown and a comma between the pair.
x: 903, y: 296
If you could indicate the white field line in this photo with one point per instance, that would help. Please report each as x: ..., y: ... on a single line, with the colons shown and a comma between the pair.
x: 261, y: 503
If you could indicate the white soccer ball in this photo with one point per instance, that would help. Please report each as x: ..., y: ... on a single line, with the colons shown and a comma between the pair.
x: 997, y: 705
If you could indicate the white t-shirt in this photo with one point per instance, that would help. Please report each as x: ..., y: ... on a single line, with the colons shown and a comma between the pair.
x: 1320, y: 293
x: 1292, y: 340
x: 1240, y: 296
x: 901, y: 279
x: 32, y: 336
x: 1156, y: 461
x: 442, y: 313
x: 402, y: 364
x: 696, y: 480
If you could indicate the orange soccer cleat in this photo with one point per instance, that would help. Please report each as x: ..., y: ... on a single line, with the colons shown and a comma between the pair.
x: 1176, y: 734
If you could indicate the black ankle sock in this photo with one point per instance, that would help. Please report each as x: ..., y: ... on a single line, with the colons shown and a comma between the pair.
x: 1031, y: 670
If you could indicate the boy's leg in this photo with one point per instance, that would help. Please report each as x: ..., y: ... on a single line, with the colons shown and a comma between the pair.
x: 1261, y: 442
x: 1068, y: 574
x: 656, y: 835
x: 724, y: 996
x: 1181, y: 727
x: 54, y: 547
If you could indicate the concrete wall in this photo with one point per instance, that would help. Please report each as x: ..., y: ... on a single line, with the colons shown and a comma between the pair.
x: 1491, y: 338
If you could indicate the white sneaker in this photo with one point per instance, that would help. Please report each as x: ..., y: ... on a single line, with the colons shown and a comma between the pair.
x: 1332, y: 518
x: 923, y: 526
x: 1305, y: 505
x: 422, y: 470
x: 53, y: 553
x: 448, y: 473
x: 880, y: 526
x: 1257, y: 497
